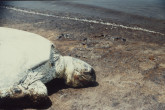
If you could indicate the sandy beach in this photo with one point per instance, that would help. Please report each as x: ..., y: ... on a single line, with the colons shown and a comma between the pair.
x: 129, y: 62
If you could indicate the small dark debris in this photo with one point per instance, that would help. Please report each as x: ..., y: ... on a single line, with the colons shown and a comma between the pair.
x: 118, y: 39
x: 115, y: 104
x: 84, y: 39
x: 109, y: 37
x: 65, y: 36
x: 100, y: 36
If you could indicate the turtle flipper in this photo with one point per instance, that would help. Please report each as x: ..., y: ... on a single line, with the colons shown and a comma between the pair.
x: 34, y: 96
x: 33, y: 87
x: 30, y: 88
x: 37, y: 93
x: 37, y: 89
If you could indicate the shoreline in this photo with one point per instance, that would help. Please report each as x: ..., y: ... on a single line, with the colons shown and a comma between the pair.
x: 94, y: 14
x: 83, y: 20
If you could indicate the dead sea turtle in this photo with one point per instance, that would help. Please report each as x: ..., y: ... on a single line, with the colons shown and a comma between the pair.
x: 28, y: 61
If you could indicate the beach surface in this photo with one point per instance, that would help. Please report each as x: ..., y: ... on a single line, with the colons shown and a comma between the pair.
x: 127, y: 52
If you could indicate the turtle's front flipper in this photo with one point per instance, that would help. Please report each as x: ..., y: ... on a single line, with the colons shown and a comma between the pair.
x: 36, y: 89
x: 30, y: 91
x: 34, y: 96
x: 30, y: 86
x: 37, y: 93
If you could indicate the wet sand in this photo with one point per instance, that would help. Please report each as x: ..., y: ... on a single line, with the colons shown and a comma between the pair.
x: 129, y: 64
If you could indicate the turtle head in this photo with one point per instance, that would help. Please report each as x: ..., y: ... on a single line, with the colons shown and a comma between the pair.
x: 78, y: 73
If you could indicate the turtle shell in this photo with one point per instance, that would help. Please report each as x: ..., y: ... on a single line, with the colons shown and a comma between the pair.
x: 20, y: 51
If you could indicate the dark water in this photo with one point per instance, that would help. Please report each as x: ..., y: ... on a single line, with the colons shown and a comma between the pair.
x: 147, y: 8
